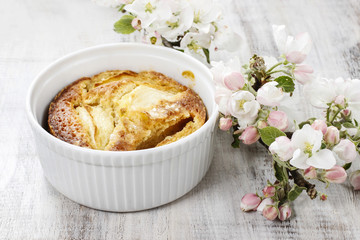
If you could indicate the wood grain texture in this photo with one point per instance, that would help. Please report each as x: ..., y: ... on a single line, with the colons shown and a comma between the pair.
x: 34, y: 33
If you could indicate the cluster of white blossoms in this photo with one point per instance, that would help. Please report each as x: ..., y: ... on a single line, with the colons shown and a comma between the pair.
x: 250, y: 99
x: 195, y: 27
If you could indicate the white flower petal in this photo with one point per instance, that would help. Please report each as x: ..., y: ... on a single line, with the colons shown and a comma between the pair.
x: 299, y: 159
x: 324, y: 159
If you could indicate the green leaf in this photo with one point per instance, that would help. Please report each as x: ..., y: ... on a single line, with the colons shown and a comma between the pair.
x: 347, y: 166
x: 236, y: 142
x: 207, y: 54
x: 348, y: 125
x: 280, y: 172
x: 269, y: 134
x: 295, y: 192
x: 124, y: 26
x: 286, y: 83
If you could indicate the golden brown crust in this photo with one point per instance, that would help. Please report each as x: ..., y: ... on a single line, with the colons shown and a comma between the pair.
x: 123, y: 110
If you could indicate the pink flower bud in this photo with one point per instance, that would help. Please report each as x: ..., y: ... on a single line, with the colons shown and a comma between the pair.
x: 234, y: 81
x: 136, y: 23
x: 319, y: 124
x: 278, y: 119
x: 264, y: 203
x: 346, y: 112
x: 284, y: 212
x: 340, y: 100
x: 355, y: 179
x: 269, y: 191
x: 335, y: 174
x: 310, y: 173
x: 225, y: 123
x: 332, y: 135
x: 270, y: 212
x: 261, y: 124
x: 250, y: 135
x: 345, y: 150
x: 250, y: 202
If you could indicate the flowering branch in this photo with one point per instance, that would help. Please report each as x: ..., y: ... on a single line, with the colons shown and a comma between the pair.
x: 251, y: 98
x: 195, y: 27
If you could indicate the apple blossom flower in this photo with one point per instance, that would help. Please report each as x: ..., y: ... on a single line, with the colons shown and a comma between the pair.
x: 278, y: 119
x: 323, y: 91
x: 303, y: 73
x: 250, y: 135
x: 295, y: 49
x: 244, y: 107
x: 355, y: 179
x: 177, y: 23
x: 307, y: 142
x: 310, y: 173
x: 269, y: 191
x: 270, y: 212
x: 222, y: 99
x: 225, y: 123
x: 269, y: 94
x: 332, y: 135
x: 345, y: 150
x: 250, y: 202
x: 228, y: 74
x: 205, y: 12
x: 284, y: 212
x: 340, y: 100
x: 149, y: 11
x: 195, y: 42
x: 282, y: 147
x: 336, y: 174
x: 226, y: 39
x: 265, y: 202
x: 319, y: 124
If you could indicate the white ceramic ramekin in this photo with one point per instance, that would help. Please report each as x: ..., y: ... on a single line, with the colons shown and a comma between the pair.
x: 122, y: 181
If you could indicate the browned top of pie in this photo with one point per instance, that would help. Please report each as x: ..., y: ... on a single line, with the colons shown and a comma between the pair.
x: 123, y: 110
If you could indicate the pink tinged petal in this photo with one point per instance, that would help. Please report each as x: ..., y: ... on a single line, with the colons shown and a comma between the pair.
x: 303, y: 73
x: 269, y: 191
x: 295, y: 57
x: 264, y: 203
x: 222, y: 99
x: 299, y: 159
x: 278, y: 119
x: 270, y: 212
x: 284, y: 212
x: 234, y: 81
x: 250, y: 202
x: 345, y: 151
x: 336, y: 174
x: 136, y: 23
x: 310, y: 173
x: 319, y: 124
x: 283, y: 147
x: 355, y: 179
x: 250, y: 135
x: 324, y: 159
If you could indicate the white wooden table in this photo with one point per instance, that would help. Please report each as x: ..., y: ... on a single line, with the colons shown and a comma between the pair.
x: 34, y: 33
